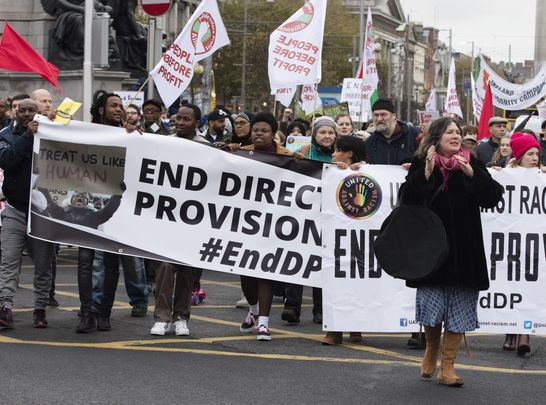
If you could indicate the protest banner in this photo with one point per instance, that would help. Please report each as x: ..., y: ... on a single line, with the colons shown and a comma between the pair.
x: 333, y: 110
x: 295, y: 48
x: 506, y: 95
x: 426, y: 117
x: 452, y: 104
x: 133, y: 97
x: 360, y: 296
x: 355, y: 93
x: 201, y: 37
x: 184, y: 201
x: 310, y: 100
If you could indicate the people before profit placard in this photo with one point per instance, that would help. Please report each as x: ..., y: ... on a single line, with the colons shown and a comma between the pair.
x: 449, y: 296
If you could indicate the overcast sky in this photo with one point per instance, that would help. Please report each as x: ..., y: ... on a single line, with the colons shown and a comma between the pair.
x: 493, y: 25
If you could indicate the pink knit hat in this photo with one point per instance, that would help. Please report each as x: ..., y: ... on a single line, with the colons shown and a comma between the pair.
x: 521, y: 143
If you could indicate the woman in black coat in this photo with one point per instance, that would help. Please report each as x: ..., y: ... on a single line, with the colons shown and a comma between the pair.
x: 460, y: 185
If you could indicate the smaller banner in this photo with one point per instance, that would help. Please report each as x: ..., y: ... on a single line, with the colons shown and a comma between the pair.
x: 127, y: 96
x: 295, y: 142
x: 477, y: 101
x: 285, y: 95
x: 432, y: 101
x: 354, y: 92
x: 310, y: 100
x: 452, y: 104
x: 426, y: 117
x: 295, y: 48
x: 541, y: 107
x: 368, y: 68
x: 335, y: 109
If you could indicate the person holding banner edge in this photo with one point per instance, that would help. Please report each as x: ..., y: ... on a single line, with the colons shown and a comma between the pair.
x: 449, y: 296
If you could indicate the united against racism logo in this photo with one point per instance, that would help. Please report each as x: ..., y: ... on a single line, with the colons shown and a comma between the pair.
x: 359, y: 196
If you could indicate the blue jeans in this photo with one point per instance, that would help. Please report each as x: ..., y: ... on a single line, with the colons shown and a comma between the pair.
x: 134, y: 276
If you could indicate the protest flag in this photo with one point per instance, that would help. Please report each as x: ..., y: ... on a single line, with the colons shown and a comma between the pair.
x: 295, y: 48
x: 201, y: 37
x: 368, y: 68
x: 452, y: 104
x: 432, y: 102
x: 486, y: 114
x: 17, y: 55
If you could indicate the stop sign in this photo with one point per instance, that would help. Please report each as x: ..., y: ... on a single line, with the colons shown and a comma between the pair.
x: 155, y: 8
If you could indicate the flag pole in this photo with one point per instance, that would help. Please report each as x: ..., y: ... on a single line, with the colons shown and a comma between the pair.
x: 138, y: 92
x: 87, y: 59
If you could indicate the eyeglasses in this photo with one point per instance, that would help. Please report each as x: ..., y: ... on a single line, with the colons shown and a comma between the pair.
x: 151, y: 110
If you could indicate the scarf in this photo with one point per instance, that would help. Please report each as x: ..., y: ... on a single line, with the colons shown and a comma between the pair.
x: 448, y: 165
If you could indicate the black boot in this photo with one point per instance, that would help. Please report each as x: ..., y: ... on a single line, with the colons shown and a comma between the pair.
x: 88, y: 323
x: 103, y: 323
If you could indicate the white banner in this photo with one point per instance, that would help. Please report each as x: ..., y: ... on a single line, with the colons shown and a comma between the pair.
x: 362, y: 297
x: 180, y: 201
x: 201, y: 37
x: 452, y: 104
x: 355, y: 94
x: 310, y: 99
x: 295, y: 48
x: 510, y: 96
x: 477, y: 101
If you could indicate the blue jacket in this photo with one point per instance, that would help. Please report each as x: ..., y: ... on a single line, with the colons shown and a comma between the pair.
x: 16, y: 161
x: 399, y: 149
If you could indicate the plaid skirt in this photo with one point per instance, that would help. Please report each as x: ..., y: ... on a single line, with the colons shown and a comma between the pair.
x: 456, y: 307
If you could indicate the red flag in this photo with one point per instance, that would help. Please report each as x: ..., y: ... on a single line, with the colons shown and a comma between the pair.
x: 486, y: 114
x: 17, y: 55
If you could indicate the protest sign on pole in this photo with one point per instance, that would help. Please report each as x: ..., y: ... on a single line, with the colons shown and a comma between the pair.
x: 201, y: 37
x: 335, y: 109
x: 432, y: 101
x: 368, y: 70
x: 477, y: 101
x: 506, y: 95
x: 295, y: 48
x: 452, y: 104
x: 310, y: 100
x: 541, y: 107
x: 355, y: 92
x: 426, y: 117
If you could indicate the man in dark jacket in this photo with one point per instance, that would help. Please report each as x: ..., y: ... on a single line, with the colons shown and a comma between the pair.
x: 16, y: 161
x: 153, y: 124
x: 393, y: 142
x: 497, y: 129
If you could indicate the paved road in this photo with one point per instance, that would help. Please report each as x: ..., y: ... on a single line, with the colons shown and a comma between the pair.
x: 218, y: 365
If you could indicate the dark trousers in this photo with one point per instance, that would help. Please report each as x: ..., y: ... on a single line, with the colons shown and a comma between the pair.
x: 294, y: 294
x: 173, y: 290
x: 85, y: 281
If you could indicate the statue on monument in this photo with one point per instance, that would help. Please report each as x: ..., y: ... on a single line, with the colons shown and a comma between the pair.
x: 441, y: 65
x: 66, y: 43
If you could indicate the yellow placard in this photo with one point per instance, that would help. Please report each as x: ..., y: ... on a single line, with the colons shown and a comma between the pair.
x: 66, y: 110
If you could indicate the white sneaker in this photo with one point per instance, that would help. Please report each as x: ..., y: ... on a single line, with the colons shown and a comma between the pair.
x: 249, y: 325
x: 161, y: 328
x: 181, y: 327
x: 263, y: 333
x: 242, y: 303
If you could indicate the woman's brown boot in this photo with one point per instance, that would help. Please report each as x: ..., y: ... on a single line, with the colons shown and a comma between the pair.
x: 333, y: 338
x: 433, y: 335
x: 447, y: 375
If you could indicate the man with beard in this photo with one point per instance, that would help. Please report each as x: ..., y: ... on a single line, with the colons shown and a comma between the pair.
x: 216, y: 125
x: 16, y: 161
x: 393, y: 142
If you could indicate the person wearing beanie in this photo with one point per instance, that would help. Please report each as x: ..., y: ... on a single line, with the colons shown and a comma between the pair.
x: 323, y: 137
x: 241, y: 134
x: 526, y: 151
x: 393, y: 142
x: 497, y: 129
x: 259, y: 292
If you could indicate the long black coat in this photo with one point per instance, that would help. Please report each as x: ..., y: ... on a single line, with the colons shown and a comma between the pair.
x: 458, y: 207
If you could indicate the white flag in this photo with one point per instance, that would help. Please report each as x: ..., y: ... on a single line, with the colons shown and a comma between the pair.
x: 295, y: 48
x: 201, y: 37
x: 477, y: 101
x: 432, y: 102
x: 541, y: 107
x: 452, y: 104
x: 310, y: 99
x: 368, y: 71
x: 285, y: 95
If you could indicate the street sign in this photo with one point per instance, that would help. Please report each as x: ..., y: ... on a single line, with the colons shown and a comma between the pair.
x: 155, y: 8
